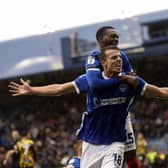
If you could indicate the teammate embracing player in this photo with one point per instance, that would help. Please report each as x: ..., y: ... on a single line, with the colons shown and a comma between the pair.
x: 102, y: 129
x: 107, y: 36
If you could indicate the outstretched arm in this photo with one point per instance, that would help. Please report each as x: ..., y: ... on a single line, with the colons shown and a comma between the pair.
x: 49, y: 90
x: 8, y: 155
x: 156, y: 92
x: 150, y: 90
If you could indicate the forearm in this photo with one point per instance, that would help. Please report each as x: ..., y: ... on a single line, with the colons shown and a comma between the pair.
x: 96, y: 82
x: 48, y: 90
x: 9, y: 154
x: 164, y: 92
x: 94, y: 76
x: 53, y: 90
x: 156, y: 92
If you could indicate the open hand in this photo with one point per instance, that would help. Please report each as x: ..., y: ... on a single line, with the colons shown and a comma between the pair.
x: 20, y: 89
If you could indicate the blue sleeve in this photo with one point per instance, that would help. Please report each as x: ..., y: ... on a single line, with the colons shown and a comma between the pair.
x: 96, y: 82
x: 92, y: 61
x: 74, y: 162
x: 141, y: 86
x: 81, y: 84
x: 93, y: 73
x: 126, y: 63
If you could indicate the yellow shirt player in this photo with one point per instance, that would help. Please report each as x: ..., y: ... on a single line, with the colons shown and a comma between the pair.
x: 25, y: 148
x: 141, y: 145
x: 141, y: 149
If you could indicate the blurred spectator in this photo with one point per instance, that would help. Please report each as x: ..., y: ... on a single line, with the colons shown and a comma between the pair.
x: 151, y: 156
x: 74, y: 162
x: 26, y: 150
x: 141, y: 149
x: 11, y: 157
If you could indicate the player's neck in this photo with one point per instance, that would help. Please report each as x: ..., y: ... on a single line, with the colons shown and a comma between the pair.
x: 106, y: 75
x: 109, y: 74
x: 101, y: 46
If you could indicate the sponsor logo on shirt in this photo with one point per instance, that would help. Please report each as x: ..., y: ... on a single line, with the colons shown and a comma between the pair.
x: 112, y: 101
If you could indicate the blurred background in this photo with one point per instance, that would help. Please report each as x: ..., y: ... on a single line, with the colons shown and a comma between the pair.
x: 59, y: 56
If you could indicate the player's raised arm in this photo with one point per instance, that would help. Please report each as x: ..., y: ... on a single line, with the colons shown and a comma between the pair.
x: 93, y: 73
x: 49, y: 90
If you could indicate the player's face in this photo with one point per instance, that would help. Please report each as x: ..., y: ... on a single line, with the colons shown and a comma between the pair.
x: 110, y: 37
x: 113, y: 62
x: 15, y: 135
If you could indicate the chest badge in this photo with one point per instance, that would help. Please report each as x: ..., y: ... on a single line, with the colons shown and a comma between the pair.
x: 123, y: 87
x: 91, y: 60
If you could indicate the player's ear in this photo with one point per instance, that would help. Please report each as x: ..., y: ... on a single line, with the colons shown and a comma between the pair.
x: 100, y: 41
x: 103, y: 63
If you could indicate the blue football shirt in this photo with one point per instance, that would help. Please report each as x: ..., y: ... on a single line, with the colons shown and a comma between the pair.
x: 107, y: 109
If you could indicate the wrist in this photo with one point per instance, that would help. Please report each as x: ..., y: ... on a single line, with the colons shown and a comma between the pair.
x: 32, y: 91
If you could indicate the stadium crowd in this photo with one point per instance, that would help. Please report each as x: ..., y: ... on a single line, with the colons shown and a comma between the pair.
x: 52, y: 125
x: 53, y: 122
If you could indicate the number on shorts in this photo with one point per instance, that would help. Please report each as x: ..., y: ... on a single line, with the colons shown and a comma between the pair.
x: 130, y: 138
x: 117, y: 158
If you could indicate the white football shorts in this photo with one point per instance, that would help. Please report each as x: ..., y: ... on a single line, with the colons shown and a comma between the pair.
x: 130, y: 143
x: 102, y: 156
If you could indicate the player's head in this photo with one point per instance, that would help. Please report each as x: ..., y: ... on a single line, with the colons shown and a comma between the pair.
x: 26, y: 133
x: 107, y: 36
x: 15, y: 135
x: 111, y: 60
x: 140, y: 135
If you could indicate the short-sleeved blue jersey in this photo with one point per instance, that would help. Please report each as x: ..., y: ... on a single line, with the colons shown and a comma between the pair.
x: 107, y: 109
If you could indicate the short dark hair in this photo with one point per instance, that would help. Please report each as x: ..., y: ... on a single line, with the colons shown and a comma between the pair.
x: 24, y: 132
x: 102, y: 55
x: 101, y: 30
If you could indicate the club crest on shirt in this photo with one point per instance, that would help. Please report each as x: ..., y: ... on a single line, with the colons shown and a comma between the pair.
x: 123, y: 87
x: 91, y: 60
